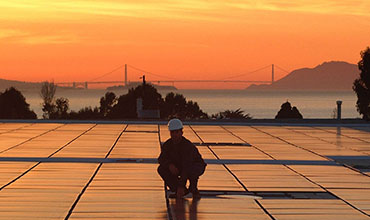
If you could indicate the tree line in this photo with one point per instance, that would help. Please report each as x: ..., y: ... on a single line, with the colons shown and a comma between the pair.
x: 13, y: 105
x: 122, y: 107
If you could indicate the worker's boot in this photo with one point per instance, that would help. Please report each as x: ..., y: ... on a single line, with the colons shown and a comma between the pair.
x: 196, y: 194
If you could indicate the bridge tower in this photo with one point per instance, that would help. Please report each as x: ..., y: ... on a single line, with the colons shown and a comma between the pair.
x: 272, y: 74
x: 126, y: 75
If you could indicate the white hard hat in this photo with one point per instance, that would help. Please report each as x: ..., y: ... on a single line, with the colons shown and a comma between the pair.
x: 174, y: 124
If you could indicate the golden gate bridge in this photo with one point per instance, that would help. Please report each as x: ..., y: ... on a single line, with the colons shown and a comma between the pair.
x: 126, y: 82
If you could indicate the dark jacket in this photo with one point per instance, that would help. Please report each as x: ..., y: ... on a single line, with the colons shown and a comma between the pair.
x: 183, y: 155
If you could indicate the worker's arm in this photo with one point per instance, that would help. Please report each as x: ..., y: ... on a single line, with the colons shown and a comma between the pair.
x: 164, y: 157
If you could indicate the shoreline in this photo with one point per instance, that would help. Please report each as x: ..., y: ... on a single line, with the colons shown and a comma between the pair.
x: 258, y: 122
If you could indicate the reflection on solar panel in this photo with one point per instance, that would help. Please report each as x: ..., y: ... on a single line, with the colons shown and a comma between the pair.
x: 108, y: 171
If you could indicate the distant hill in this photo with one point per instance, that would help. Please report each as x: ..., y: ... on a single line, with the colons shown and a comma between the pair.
x: 31, y: 86
x: 334, y: 76
x: 23, y: 86
x: 26, y: 86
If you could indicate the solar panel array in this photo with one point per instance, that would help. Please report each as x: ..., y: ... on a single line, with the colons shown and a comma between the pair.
x: 131, y: 189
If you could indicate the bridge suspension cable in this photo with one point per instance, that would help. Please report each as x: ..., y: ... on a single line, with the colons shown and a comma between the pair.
x: 106, y: 74
x: 282, y: 69
x: 248, y: 73
x: 150, y: 73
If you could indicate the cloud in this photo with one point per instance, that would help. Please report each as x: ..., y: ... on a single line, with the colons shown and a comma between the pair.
x: 48, y: 39
x: 216, y: 10
x: 8, y: 33
x: 343, y: 7
x: 145, y: 9
x: 31, y: 38
x: 67, y: 21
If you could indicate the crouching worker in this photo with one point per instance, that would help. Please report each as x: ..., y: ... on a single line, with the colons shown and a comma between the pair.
x: 180, y: 161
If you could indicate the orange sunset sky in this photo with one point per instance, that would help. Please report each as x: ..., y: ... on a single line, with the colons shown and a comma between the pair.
x: 81, y: 40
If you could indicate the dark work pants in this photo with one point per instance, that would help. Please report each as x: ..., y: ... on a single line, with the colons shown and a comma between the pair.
x: 172, y: 181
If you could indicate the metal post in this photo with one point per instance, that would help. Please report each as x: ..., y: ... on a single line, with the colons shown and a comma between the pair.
x: 339, y: 109
x: 272, y: 75
x: 86, y: 85
x: 139, y: 107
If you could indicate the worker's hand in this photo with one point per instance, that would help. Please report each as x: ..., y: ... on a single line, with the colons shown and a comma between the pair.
x: 173, y: 169
x: 180, y: 192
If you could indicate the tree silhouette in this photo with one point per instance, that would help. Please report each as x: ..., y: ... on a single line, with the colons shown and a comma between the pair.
x: 175, y: 105
x: 61, y: 108
x: 286, y: 111
x: 47, y: 94
x: 13, y: 105
x: 193, y: 111
x: 106, y: 103
x: 126, y: 104
x: 362, y: 85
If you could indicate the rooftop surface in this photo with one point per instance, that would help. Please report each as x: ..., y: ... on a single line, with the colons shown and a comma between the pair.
x: 108, y: 171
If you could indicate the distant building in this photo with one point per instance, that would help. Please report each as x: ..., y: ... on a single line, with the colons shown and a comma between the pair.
x: 142, y: 113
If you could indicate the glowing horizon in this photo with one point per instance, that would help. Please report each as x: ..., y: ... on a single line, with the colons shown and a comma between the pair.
x: 81, y: 40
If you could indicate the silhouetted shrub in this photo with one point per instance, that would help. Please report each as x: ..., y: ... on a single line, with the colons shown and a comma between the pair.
x: 13, y: 105
x: 362, y: 85
x: 86, y: 113
x: 232, y: 114
x: 287, y: 111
